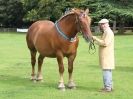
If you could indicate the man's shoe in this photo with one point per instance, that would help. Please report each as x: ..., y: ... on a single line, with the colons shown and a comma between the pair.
x: 106, y: 90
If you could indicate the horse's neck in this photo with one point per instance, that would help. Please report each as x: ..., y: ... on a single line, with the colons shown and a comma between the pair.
x: 68, y: 26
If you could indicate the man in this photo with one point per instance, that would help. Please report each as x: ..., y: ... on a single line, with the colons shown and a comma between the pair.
x: 106, y: 54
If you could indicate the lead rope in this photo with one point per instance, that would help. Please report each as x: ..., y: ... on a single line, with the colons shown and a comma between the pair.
x: 92, y: 47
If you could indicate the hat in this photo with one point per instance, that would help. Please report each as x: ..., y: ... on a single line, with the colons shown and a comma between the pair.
x: 103, y: 21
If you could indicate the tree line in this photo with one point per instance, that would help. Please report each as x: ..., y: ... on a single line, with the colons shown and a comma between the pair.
x: 22, y: 13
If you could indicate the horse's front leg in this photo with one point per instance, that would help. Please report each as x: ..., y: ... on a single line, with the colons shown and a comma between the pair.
x: 71, y: 84
x: 61, y: 70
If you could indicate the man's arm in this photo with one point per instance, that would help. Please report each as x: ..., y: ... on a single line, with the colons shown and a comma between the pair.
x: 103, y: 42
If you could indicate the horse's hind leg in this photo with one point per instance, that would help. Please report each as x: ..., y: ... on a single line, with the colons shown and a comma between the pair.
x: 33, y: 62
x: 39, y: 74
x: 71, y: 84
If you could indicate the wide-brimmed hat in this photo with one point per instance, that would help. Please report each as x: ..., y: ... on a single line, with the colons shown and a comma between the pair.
x: 103, y: 21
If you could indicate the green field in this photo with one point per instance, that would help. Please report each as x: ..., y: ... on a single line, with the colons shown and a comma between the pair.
x: 15, y: 70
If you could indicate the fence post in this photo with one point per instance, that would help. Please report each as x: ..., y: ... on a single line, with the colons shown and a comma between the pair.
x: 96, y: 29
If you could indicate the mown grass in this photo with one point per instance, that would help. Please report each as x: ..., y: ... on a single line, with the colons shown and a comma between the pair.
x: 15, y: 72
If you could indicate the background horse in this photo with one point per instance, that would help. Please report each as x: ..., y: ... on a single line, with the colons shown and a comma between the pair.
x: 57, y: 41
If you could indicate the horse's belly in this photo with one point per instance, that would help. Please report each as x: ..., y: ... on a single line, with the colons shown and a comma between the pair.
x: 51, y: 52
x: 45, y: 50
x: 48, y: 54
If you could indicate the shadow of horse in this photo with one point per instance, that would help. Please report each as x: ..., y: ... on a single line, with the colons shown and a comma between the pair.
x: 23, y: 82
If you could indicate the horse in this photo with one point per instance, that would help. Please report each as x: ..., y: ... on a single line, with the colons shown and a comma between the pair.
x: 58, y: 40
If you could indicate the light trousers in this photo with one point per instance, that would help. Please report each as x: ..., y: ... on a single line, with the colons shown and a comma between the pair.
x: 107, y: 78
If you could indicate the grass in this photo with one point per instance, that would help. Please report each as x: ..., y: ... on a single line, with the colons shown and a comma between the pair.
x: 15, y: 72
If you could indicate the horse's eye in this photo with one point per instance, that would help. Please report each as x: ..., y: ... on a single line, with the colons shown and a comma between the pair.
x: 82, y: 15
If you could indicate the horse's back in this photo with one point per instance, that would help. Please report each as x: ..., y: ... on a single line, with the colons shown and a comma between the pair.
x: 38, y: 28
x: 40, y: 25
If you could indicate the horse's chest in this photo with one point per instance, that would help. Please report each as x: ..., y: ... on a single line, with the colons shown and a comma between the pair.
x: 69, y: 49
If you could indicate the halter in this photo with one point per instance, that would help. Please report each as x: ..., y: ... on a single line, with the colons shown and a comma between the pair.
x: 63, y: 34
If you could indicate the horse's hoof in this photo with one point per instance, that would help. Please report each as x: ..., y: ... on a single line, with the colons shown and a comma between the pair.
x: 74, y: 87
x: 62, y: 89
x: 33, y: 78
x: 61, y: 86
x: 39, y: 80
x: 71, y: 85
x: 34, y: 81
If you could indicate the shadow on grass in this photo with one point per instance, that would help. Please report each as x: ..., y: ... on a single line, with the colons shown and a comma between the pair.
x: 117, y: 68
x: 87, y: 88
x: 124, y: 69
x: 26, y: 82
x: 15, y: 81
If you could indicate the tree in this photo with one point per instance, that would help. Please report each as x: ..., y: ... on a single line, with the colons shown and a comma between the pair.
x: 3, y: 14
x: 44, y: 9
x: 30, y: 12
x: 12, y: 13
x: 119, y: 11
x: 123, y: 13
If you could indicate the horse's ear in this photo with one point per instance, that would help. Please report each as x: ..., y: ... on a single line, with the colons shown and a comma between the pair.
x: 73, y: 9
x: 87, y: 11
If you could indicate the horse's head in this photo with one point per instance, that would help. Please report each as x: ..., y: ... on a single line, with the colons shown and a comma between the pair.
x: 84, y: 22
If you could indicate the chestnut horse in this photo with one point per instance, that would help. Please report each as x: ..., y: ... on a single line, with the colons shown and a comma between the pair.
x: 57, y: 41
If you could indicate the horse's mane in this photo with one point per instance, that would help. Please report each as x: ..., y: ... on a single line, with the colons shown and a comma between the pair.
x: 66, y: 14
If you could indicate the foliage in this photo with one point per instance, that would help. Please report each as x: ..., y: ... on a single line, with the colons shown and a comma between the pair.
x: 111, y: 9
x: 29, y: 11
x: 11, y: 13
x: 119, y: 11
x: 44, y: 10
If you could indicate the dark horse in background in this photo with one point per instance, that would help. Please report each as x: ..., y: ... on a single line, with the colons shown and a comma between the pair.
x: 58, y: 40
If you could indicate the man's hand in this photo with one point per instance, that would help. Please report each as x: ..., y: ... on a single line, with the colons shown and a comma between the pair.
x: 94, y: 37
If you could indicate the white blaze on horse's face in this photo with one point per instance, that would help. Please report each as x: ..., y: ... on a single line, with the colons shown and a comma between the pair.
x: 85, y: 22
